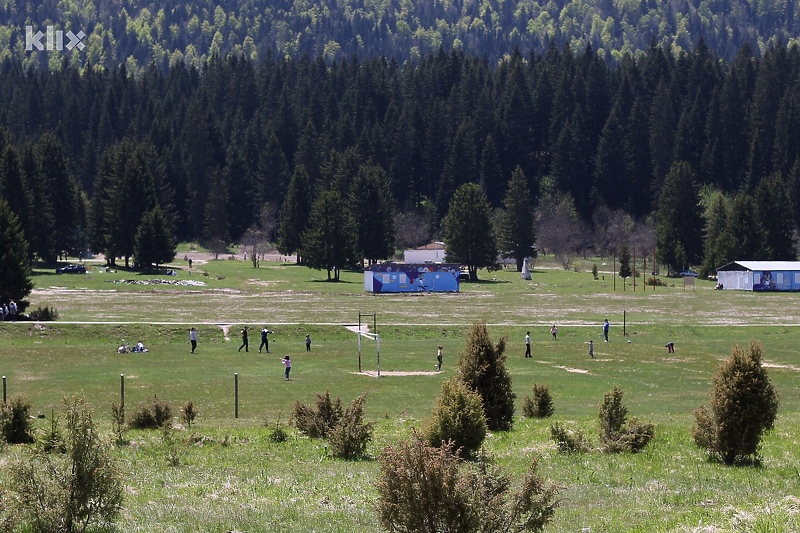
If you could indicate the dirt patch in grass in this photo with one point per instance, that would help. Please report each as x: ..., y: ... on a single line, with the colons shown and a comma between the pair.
x: 390, y: 373
x: 787, y: 367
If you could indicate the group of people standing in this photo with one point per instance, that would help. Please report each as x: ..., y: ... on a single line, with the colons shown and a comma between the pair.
x: 554, y: 333
x: 8, y: 311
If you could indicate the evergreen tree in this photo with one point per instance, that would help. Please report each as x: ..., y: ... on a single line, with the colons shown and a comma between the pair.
x: 482, y: 368
x: 468, y: 232
x: 372, y: 209
x: 329, y: 241
x: 716, y: 248
x: 154, y: 241
x: 273, y: 175
x: 62, y: 191
x: 773, y: 209
x: 625, y: 261
x: 15, y: 270
x: 41, y: 238
x: 15, y: 190
x: 294, y: 213
x: 678, y: 219
x: 743, y: 231
x: 517, y: 234
x: 216, y: 232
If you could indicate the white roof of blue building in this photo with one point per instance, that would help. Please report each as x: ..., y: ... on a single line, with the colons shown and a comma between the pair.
x: 760, y: 265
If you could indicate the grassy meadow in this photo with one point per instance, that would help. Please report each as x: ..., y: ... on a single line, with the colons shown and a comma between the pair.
x: 231, y: 477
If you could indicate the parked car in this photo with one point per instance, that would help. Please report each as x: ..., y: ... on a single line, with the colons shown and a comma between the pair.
x: 71, y: 269
x: 688, y: 274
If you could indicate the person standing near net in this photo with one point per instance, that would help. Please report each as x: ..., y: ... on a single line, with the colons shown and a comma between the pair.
x: 439, y: 358
x: 287, y: 362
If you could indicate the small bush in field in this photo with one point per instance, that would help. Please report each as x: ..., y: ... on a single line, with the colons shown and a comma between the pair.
x: 744, y: 405
x: 53, y: 439
x: 457, y: 418
x: 350, y: 436
x: 616, y: 433
x: 568, y: 440
x: 153, y: 416
x: 540, y: 405
x: 317, y: 421
x: 15, y: 422
x: 278, y: 433
x: 118, y: 422
x: 188, y: 413
x: 44, y: 314
x: 79, y: 490
x: 429, y: 489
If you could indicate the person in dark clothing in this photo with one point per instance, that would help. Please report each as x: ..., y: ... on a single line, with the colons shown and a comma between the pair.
x: 265, y: 339
x: 244, y: 340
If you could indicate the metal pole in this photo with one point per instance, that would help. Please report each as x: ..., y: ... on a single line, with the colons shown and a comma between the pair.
x: 4, y: 390
x: 236, y: 394
x: 122, y: 395
x: 624, y: 316
x: 634, y: 268
x: 358, y: 334
x: 614, y: 271
x: 378, y: 344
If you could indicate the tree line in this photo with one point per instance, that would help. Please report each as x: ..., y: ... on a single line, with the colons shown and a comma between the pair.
x: 676, y: 149
x: 169, y: 32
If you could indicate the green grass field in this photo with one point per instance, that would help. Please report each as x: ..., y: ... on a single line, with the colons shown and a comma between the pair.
x: 232, y: 478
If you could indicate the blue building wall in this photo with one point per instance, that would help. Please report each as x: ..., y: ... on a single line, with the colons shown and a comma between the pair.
x: 776, y: 280
x: 395, y: 277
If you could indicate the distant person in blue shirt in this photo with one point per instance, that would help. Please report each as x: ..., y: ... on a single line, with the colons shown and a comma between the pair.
x: 605, y: 330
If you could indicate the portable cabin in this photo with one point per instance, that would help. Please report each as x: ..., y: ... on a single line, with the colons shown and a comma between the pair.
x: 760, y: 276
x: 400, y: 277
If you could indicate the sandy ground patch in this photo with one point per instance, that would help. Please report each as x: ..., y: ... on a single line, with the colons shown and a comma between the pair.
x: 388, y: 373
x: 573, y: 370
x: 775, y: 365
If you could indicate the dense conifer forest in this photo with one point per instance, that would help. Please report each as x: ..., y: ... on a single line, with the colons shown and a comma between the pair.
x: 138, y: 33
x: 695, y: 150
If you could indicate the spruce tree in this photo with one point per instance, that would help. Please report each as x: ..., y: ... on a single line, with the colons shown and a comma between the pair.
x: 15, y: 270
x: 154, y: 241
x: 468, y: 232
x: 294, y: 213
x: 371, y: 205
x: 482, y: 367
x: 329, y: 242
x: 517, y: 234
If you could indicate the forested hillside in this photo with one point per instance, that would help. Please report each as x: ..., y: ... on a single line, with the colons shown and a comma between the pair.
x: 682, y: 141
x: 137, y: 33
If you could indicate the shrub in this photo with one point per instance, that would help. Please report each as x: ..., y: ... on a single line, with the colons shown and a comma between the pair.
x: 53, y: 439
x: 317, y: 422
x: 44, y: 314
x: 617, y: 436
x: 15, y: 422
x: 349, y: 437
x: 278, y: 433
x: 68, y: 492
x: 118, y: 421
x: 481, y: 366
x: 744, y: 405
x: 188, y: 413
x: 153, y: 416
x: 429, y: 489
x: 540, y: 405
x: 569, y: 441
x: 457, y: 418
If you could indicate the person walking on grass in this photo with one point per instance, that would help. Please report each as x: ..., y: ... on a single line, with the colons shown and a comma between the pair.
x: 605, y: 330
x: 287, y: 362
x: 528, y: 345
x: 245, y: 344
x: 308, y: 342
x: 265, y: 339
x: 591, y: 349
x: 554, y: 331
x: 439, y: 358
x: 193, y: 339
